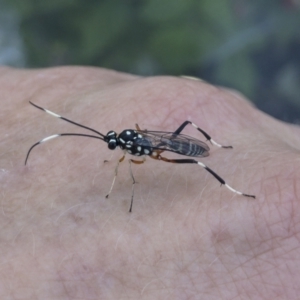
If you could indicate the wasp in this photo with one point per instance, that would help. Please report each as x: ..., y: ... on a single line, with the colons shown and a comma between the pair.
x: 138, y: 142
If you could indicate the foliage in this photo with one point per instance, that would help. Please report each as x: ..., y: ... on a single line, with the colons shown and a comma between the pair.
x: 225, y: 41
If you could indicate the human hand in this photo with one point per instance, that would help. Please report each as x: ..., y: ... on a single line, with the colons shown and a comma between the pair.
x: 187, y: 237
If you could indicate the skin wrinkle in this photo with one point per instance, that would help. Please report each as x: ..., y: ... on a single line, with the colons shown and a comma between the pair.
x: 286, y: 218
x: 262, y: 273
x: 295, y: 225
x: 295, y: 189
x: 261, y: 279
x: 242, y: 289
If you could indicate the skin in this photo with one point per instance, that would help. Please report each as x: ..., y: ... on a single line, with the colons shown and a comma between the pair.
x: 187, y: 237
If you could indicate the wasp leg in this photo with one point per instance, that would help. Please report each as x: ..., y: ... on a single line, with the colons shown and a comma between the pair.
x: 116, y: 173
x: 193, y: 161
x: 138, y: 162
x: 207, y: 136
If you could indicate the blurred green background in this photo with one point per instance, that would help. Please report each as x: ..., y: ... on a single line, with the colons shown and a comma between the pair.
x: 252, y: 46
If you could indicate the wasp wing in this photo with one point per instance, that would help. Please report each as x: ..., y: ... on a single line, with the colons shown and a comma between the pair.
x: 178, y: 143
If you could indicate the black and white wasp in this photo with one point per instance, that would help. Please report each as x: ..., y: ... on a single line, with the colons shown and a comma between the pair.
x: 148, y: 143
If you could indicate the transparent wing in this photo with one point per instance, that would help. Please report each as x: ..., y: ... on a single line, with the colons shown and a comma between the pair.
x: 178, y: 143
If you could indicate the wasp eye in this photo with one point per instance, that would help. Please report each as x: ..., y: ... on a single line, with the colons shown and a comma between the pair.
x: 112, y: 144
